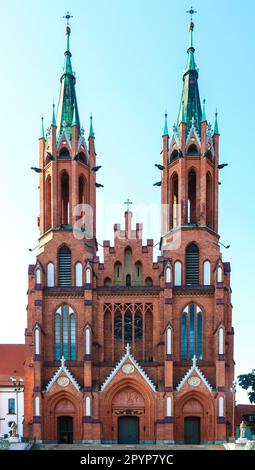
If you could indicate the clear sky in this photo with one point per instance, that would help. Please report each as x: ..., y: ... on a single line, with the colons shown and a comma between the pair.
x: 129, y: 57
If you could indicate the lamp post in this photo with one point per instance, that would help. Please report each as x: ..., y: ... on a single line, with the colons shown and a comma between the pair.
x: 17, y: 387
x: 233, y: 390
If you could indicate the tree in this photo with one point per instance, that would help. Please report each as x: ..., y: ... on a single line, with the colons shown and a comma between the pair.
x: 247, y: 381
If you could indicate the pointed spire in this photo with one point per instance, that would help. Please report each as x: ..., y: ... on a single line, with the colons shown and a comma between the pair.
x: 67, y: 105
x: 203, y: 112
x: 42, y: 136
x: 165, y: 132
x: 91, y: 130
x: 53, y: 123
x: 216, y: 127
x: 190, y: 102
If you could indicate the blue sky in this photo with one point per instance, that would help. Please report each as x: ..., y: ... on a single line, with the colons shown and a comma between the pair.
x: 129, y: 57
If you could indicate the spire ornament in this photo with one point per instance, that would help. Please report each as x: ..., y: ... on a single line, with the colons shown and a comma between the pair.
x: 203, y: 112
x: 216, y: 127
x: 165, y: 132
x: 42, y: 136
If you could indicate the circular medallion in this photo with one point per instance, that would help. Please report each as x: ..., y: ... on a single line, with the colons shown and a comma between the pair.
x: 194, y: 381
x: 63, y: 381
x: 128, y: 368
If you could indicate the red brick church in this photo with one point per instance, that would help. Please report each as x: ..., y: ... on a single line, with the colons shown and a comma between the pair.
x: 129, y: 350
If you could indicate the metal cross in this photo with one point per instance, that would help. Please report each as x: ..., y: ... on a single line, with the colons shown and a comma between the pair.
x: 128, y: 203
x: 191, y: 12
x: 67, y: 17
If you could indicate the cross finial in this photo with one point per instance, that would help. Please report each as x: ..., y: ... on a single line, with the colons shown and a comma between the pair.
x: 128, y: 348
x: 128, y: 203
x: 191, y: 13
x: 194, y: 360
x: 67, y: 17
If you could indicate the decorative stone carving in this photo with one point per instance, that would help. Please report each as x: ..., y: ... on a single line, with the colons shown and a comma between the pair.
x: 63, y: 381
x: 194, y: 381
x: 128, y: 369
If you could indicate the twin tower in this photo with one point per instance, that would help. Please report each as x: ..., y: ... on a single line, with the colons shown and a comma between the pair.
x: 129, y: 350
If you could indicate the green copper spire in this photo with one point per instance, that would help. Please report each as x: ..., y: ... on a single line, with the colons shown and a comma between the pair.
x: 204, y: 112
x: 42, y: 136
x: 67, y: 105
x: 165, y: 132
x: 53, y: 123
x: 191, y: 106
x: 91, y: 130
x: 75, y: 120
x: 216, y: 127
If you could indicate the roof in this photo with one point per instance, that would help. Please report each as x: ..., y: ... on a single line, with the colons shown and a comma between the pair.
x: 242, y: 410
x: 12, y: 360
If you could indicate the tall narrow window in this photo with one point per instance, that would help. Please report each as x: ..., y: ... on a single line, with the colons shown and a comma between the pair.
x: 221, y: 407
x: 128, y: 266
x: 117, y: 274
x: 192, y: 265
x: 88, y: 405
x: 207, y: 273
x: 65, y: 199
x: 208, y: 200
x: 138, y: 273
x: 78, y: 275
x: 138, y: 326
x: 11, y: 406
x: 169, y: 406
x: 87, y: 341
x: 175, y: 221
x: 82, y: 200
x: 65, y: 333
x: 169, y: 340
x: 128, y: 327
x: 50, y: 275
x: 37, y: 406
x: 177, y: 273
x: 64, y: 267
x: 118, y: 327
x: 168, y: 275
x: 37, y: 341
x: 48, y: 212
x: 192, y: 332
x: 192, y: 197
x: 88, y: 276
x: 221, y: 341
x: 219, y: 274
x: 38, y: 276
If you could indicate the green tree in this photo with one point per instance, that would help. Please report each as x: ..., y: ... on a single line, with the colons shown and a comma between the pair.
x: 247, y: 381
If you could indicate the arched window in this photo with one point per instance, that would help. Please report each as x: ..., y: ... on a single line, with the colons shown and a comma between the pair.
x: 50, y: 275
x: 219, y: 274
x: 177, y: 273
x: 169, y: 340
x: 48, y: 211
x: 88, y: 276
x: 175, y: 221
x: 221, y: 407
x: 207, y: 273
x: 208, y: 200
x: 192, y: 150
x: 64, y: 267
x: 65, y: 199
x: 128, y: 266
x: 221, y: 341
x: 118, y: 327
x: 138, y: 273
x: 37, y: 406
x: 37, y: 341
x: 168, y: 275
x: 169, y: 406
x: 192, y: 265
x: 65, y: 333
x: 88, y: 406
x: 64, y: 153
x: 38, y: 276
x: 148, y: 282
x: 107, y: 282
x: 128, y: 327
x: 117, y: 273
x: 87, y: 341
x: 192, y: 332
x: 192, y: 197
x: 78, y: 275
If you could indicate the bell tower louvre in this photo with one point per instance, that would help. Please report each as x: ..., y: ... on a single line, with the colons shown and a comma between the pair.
x: 129, y: 350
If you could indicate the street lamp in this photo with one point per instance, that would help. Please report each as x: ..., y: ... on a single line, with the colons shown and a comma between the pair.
x: 18, y: 387
x: 233, y: 390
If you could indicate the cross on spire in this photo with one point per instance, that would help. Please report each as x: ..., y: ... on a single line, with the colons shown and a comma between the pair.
x: 67, y: 17
x: 128, y: 203
x: 191, y: 13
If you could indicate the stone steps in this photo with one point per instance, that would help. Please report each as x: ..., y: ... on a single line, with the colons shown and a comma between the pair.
x: 127, y: 447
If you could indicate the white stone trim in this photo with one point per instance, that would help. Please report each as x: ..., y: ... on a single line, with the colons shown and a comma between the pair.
x: 129, y: 356
x: 194, y: 368
x: 62, y: 368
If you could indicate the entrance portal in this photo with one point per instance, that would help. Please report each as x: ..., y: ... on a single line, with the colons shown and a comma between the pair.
x: 128, y: 430
x: 65, y: 429
x: 192, y: 430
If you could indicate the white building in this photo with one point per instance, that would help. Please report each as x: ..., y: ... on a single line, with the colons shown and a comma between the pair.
x: 12, y: 359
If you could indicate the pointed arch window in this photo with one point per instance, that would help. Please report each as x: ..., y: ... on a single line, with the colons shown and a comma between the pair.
x: 169, y: 340
x: 78, y: 275
x: 175, y: 221
x: 37, y: 340
x: 192, y: 197
x: 207, y: 273
x: 192, y: 332
x: 65, y: 333
x: 117, y: 273
x: 88, y: 275
x: 48, y: 212
x: 65, y: 213
x: 192, y: 265
x: 128, y: 266
x: 38, y: 276
x: 177, y: 273
x: 219, y: 274
x: 168, y: 275
x: 87, y: 341
x: 221, y: 341
x: 64, y: 267
x: 138, y: 273
x: 50, y: 275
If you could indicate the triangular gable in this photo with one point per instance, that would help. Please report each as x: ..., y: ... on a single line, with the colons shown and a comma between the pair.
x: 129, y: 356
x: 193, y: 134
x: 64, y: 137
x: 64, y: 369
x: 194, y: 368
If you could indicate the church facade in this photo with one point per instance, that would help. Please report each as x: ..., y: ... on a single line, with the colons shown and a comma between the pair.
x: 129, y: 350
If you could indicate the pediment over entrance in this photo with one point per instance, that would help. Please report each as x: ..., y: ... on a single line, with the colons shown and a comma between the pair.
x: 62, y: 378
x: 194, y: 378
x: 128, y: 366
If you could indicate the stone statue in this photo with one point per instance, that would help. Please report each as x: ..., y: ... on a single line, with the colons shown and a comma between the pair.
x: 242, y: 430
x: 14, y: 429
